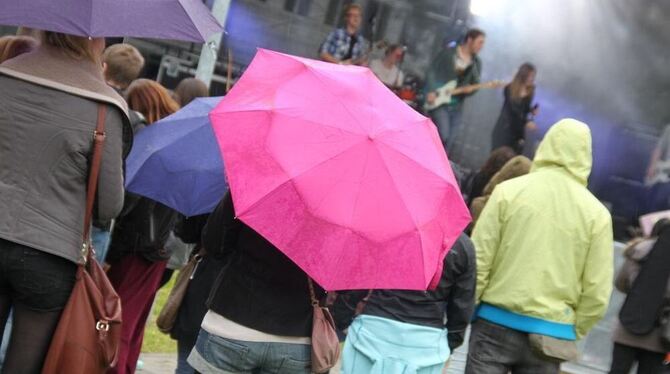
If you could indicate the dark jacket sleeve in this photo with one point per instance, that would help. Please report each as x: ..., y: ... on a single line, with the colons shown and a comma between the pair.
x: 473, y: 76
x: 110, y: 183
x: 219, y: 237
x: 461, y: 267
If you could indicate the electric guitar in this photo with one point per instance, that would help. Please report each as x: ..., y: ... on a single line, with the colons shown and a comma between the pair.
x: 446, y: 92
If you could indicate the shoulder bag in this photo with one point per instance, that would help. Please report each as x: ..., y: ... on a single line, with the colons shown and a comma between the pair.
x: 87, y: 337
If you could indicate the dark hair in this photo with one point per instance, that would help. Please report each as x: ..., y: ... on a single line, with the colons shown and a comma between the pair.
x: 519, y: 80
x: 188, y: 89
x: 391, y: 48
x: 660, y: 226
x: 351, y: 6
x: 473, y: 34
x: 497, y: 160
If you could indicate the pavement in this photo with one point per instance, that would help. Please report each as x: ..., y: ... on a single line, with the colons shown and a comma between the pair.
x: 165, y: 363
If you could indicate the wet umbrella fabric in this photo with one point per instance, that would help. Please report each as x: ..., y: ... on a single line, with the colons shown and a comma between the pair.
x: 338, y: 173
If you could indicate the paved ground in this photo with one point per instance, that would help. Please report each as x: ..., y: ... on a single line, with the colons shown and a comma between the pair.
x: 166, y: 363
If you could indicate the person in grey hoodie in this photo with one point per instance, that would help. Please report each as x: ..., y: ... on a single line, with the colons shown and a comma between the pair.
x: 48, y: 112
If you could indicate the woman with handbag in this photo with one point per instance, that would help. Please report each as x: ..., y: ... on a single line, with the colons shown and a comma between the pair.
x: 52, y: 99
x: 137, y: 252
x: 643, y: 332
x: 405, y: 331
x: 260, y: 312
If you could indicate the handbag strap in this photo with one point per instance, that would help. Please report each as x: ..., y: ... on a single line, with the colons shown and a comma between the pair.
x: 312, y: 294
x: 98, y: 142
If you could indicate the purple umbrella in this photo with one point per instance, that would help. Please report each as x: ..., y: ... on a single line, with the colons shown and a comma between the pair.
x: 187, y: 20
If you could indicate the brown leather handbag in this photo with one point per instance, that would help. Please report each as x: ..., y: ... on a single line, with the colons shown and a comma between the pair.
x: 325, y: 344
x: 168, y: 315
x: 89, y: 331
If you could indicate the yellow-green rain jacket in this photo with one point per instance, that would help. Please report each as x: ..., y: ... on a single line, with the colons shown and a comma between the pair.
x: 544, y: 243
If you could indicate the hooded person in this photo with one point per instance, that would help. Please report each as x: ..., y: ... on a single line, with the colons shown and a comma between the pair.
x: 544, y: 261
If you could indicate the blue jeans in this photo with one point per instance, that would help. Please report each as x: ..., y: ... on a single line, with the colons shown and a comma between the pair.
x: 496, y: 349
x: 214, y: 354
x: 100, y: 240
x: 448, y: 119
x: 184, y: 348
x: 5, y: 339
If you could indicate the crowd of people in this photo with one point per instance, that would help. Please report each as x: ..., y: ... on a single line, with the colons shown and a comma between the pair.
x: 532, y: 274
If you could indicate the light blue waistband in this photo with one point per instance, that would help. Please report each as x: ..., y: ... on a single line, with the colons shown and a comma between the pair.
x: 527, y: 324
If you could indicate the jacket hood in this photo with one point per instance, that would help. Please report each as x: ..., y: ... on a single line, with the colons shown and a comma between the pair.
x: 567, y: 145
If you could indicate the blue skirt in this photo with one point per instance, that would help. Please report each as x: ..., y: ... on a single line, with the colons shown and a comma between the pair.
x: 378, y: 345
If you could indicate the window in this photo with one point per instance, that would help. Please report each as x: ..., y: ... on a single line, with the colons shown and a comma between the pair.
x: 300, y: 7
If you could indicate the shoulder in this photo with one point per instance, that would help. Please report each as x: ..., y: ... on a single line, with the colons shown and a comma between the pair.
x: 462, y: 252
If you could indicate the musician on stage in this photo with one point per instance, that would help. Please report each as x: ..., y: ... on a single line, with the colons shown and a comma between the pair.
x: 460, y: 64
x: 346, y: 45
x: 387, y: 69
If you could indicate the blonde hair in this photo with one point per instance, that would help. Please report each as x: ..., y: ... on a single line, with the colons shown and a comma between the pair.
x: 77, y: 47
x: 151, y: 99
x: 349, y: 7
x: 124, y: 63
x: 12, y: 46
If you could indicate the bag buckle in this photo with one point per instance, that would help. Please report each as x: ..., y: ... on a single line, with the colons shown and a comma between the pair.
x: 102, y: 325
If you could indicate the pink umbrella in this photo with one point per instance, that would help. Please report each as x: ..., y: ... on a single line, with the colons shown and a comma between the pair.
x: 338, y: 173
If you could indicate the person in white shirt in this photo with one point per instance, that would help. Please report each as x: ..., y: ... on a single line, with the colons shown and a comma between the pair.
x: 386, y: 69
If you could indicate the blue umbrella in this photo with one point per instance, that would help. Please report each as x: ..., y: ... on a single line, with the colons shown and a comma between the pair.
x: 177, y: 161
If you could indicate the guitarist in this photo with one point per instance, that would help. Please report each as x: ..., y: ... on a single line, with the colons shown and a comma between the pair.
x: 346, y: 45
x: 458, y: 63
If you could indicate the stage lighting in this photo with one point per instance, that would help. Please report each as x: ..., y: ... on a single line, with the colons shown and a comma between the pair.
x: 481, y: 7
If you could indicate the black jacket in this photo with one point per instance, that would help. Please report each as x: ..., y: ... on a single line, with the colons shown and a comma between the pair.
x: 453, y: 298
x: 260, y: 287
x: 142, y: 228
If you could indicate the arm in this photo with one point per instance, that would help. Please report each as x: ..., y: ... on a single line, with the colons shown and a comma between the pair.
x: 486, y: 238
x: 461, y: 266
x: 328, y: 48
x: 472, y: 78
x: 596, y: 278
x: 110, y: 182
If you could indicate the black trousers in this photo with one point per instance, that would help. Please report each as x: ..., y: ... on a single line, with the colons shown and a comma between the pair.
x: 648, y: 362
x: 36, y: 285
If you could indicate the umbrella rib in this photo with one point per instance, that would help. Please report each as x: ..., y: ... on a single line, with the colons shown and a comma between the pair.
x: 326, y: 86
x: 290, y: 178
x: 414, y: 162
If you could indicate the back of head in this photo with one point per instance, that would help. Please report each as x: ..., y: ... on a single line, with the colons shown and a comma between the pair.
x: 497, y: 159
x: 473, y: 34
x: 151, y: 99
x: 516, y: 167
x: 123, y: 64
x: 566, y: 145
x: 659, y: 227
x: 12, y: 46
x: 76, y: 47
x: 189, y: 89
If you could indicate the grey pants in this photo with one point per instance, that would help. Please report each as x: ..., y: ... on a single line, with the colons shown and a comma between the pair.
x: 496, y: 349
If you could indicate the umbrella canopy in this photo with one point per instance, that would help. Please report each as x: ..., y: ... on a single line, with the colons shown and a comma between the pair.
x: 177, y: 161
x: 338, y: 173
x: 187, y: 20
